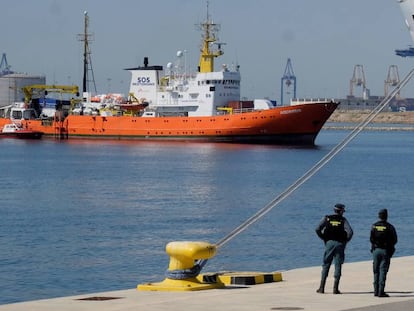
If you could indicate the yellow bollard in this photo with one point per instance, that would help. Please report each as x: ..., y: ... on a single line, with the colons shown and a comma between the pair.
x: 183, y: 256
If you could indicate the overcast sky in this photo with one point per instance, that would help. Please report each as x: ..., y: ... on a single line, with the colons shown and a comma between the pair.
x: 325, y: 39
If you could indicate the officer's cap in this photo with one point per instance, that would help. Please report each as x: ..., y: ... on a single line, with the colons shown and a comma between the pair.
x: 383, y: 213
x: 339, y: 207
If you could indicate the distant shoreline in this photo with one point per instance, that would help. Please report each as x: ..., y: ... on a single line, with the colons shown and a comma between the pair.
x: 357, y: 116
x: 385, y: 121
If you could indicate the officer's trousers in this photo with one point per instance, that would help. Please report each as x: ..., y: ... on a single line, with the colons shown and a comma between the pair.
x: 334, y: 251
x: 381, y: 265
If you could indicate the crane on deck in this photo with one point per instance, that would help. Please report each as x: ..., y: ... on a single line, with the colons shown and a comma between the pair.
x: 40, y: 90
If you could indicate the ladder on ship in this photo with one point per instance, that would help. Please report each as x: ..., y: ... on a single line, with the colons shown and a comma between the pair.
x: 60, y: 126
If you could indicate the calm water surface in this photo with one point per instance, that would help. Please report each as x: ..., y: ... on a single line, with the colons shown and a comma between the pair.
x: 87, y: 216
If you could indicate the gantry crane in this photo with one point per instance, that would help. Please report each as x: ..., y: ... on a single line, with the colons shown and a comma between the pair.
x: 393, y: 79
x: 4, y: 66
x: 287, y: 80
x: 358, y: 79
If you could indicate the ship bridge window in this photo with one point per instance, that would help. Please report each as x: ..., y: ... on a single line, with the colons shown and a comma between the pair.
x: 17, y: 115
x: 29, y: 114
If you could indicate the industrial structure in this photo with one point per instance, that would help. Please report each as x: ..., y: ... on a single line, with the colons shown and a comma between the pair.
x: 359, y: 96
x: 288, y: 79
x: 393, y: 78
x: 4, y: 66
x: 358, y: 80
x: 11, y: 83
x: 366, y: 101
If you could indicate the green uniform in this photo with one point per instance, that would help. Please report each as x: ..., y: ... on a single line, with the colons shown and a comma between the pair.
x: 336, y: 232
x: 383, y: 238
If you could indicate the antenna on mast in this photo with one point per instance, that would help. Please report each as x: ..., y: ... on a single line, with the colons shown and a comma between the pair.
x: 208, y: 10
x: 209, y: 36
x: 87, y: 60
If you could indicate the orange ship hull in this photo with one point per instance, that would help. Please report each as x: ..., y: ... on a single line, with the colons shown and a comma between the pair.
x: 298, y: 124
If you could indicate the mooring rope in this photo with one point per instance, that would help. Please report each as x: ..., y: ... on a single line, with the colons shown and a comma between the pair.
x: 258, y: 215
x: 182, y: 274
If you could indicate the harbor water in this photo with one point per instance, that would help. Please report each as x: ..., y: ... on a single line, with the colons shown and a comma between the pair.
x: 85, y: 216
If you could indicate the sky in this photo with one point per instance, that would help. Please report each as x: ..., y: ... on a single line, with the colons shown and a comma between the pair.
x: 325, y: 40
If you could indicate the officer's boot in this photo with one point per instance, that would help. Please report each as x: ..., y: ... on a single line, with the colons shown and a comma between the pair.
x: 335, y: 287
x: 381, y: 292
x: 321, y: 288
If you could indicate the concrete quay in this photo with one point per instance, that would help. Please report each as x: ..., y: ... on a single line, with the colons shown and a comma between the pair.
x: 297, y: 291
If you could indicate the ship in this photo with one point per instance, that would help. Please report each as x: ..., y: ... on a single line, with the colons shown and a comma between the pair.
x: 171, y: 104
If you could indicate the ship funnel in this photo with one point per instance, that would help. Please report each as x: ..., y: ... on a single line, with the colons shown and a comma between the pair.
x: 145, y: 61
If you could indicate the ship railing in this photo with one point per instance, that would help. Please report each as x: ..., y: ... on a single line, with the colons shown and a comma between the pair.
x: 242, y: 110
x: 229, y: 110
x: 301, y: 101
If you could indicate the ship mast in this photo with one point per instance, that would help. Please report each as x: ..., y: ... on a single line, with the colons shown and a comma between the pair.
x: 87, y: 60
x: 209, y: 37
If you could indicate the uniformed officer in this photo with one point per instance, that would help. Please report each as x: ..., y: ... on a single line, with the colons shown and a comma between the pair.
x: 336, y: 232
x: 383, y: 239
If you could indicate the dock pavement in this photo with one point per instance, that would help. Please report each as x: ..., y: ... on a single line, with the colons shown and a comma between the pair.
x: 297, y: 291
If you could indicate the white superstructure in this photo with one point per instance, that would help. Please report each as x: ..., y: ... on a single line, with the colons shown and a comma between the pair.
x: 178, y: 93
x: 208, y: 92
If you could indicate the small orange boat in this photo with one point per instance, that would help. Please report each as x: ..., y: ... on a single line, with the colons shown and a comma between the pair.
x: 174, y: 105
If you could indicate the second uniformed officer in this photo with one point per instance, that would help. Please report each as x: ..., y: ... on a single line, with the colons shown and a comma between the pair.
x: 336, y: 232
x: 383, y: 239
